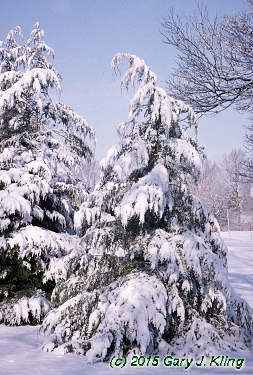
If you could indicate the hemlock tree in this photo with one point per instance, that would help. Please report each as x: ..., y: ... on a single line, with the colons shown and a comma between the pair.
x: 39, y: 185
x: 151, y: 273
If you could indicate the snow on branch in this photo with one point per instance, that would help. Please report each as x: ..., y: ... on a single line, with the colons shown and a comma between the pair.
x: 137, y: 69
x: 128, y: 308
x: 150, y: 193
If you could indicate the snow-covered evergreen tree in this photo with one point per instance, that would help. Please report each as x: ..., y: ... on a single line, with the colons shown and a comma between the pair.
x: 151, y: 274
x: 42, y: 146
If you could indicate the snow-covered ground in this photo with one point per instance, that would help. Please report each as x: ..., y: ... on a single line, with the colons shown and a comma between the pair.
x: 20, y: 352
x: 240, y: 262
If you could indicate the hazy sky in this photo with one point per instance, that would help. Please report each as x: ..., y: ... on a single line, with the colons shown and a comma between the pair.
x: 85, y: 35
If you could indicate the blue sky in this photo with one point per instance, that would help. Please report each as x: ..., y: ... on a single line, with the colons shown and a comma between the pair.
x: 85, y: 35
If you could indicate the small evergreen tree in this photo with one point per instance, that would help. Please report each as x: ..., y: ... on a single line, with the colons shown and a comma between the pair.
x: 42, y: 147
x: 151, y: 273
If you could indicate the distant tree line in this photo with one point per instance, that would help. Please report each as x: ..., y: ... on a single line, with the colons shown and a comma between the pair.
x: 226, y: 190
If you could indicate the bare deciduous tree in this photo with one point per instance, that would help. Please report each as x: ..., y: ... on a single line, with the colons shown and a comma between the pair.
x: 90, y: 174
x: 215, y: 59
x: 212, y: 190
x: 232, y: 165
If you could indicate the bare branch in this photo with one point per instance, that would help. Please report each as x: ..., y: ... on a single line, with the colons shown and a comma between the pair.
x: 214, y: 61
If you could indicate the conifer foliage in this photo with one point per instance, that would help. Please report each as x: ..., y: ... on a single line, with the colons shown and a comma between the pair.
x: 42, y: 146
x: 151, y: 272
